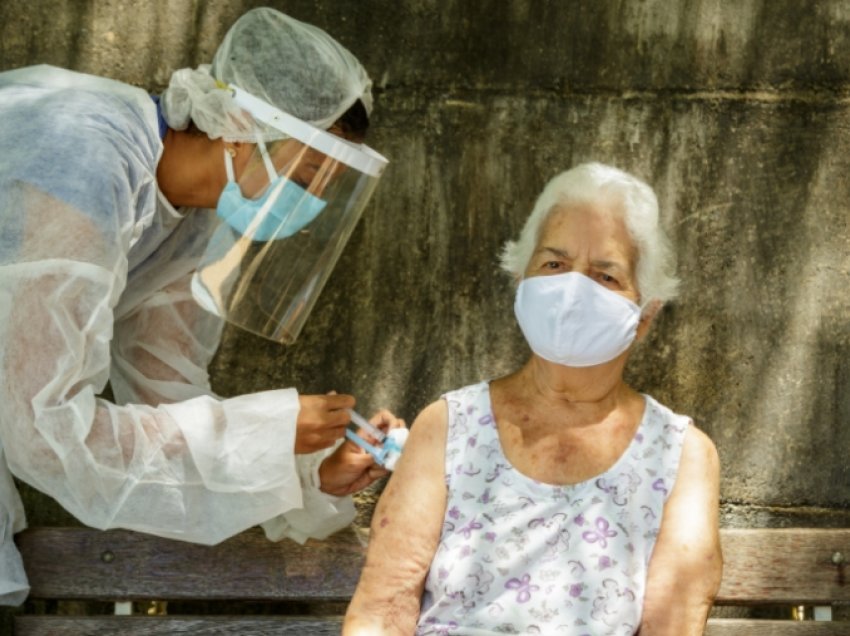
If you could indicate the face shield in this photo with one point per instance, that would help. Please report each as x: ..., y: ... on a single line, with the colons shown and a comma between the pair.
x: 285, y: 219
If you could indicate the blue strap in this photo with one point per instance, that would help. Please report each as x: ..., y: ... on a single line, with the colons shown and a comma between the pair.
x: 163, y: 127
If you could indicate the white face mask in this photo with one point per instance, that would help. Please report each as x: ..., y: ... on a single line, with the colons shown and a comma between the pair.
x: 571, y: 320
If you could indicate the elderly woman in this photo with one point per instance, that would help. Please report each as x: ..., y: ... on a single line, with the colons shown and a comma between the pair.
x: 557, y: 499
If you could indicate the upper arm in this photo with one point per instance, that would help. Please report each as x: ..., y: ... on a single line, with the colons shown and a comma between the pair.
x: 406, y: 528
x: 412, y: 506
x: 686, y: 565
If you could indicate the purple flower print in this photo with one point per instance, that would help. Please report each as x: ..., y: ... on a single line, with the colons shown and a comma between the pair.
x: 494, y: 610
x: 486, y: 420
x: 579, y: 520
x: 620, y: 487
x: 523, y: 587
x: 490, y: 536
x: 607, y: 604
x: 555, y: 520
x: 576, y: 568
x: 480, y: 579
x: 454, y: 512
x: 485, y: 496
x: 494, y: 474
x: 558, y: 541
x: 446, y: 630
x: 472, y: 441
x: 673, y: 426
x: 460, y: 428
x: 604, y: 563
x: 466, y: 531
x: 660, y: 486
x: 526, y: 502
x: 601, y: 534
x: 544, y: 615
x: 488, y: 450
x: 575, y: 590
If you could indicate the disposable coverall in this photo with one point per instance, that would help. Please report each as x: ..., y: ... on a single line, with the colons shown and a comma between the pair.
x: 94, y: 277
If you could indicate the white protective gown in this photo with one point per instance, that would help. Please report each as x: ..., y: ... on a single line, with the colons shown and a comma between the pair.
x: 94, y: 277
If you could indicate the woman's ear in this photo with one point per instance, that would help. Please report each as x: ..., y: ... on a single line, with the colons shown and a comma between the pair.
x: 233, y: 148
x: 240, y: 152
x: 646, y: 318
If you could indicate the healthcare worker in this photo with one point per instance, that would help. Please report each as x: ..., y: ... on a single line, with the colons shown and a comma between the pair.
x: 121, y: 216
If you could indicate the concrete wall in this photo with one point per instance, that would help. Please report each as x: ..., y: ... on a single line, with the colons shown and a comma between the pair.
x: 737, y: 113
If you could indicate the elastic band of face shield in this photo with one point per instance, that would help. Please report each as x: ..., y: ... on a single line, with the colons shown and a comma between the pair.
x: 357, y: 156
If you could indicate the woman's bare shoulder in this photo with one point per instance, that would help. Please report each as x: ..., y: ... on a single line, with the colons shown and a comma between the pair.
x: 431, y: 422
x: 699, y: 452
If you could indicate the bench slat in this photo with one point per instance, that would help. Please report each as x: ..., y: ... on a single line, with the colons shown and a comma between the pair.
x: 792, y: 566
x: 116, y: 565
x: 744, y: 627
x: 162, y: 625
x: 260, y: 626
x: 776, y: 566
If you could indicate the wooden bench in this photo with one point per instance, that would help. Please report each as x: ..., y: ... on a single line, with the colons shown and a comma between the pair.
x: 793, y: 567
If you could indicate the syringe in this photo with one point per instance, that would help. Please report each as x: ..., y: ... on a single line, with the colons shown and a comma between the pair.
x: 392, y: 443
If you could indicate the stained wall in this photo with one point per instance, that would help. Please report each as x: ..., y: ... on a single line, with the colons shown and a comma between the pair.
x: 737, y: 114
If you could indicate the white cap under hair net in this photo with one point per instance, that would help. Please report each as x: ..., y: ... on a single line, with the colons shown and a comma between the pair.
x: 292, y: 65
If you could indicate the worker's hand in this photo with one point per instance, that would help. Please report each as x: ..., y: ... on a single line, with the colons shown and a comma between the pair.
x: 321, y: 421
x: 350, y: 468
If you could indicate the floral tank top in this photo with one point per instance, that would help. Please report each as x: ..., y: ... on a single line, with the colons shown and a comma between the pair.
x: 517, y: 556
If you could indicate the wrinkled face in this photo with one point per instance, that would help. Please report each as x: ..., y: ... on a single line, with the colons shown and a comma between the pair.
x: 589, y: 238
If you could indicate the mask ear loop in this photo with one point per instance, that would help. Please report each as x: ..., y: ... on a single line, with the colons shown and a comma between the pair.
x: 267, y: 161
x: 228, y: 165
x: 644, y: 305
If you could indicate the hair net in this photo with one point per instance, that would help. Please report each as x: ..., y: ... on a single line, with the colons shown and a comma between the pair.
x: 294, y: 66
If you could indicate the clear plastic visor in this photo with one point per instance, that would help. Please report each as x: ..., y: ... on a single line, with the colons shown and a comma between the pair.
x: 290, y: 159
x: 285, y: 217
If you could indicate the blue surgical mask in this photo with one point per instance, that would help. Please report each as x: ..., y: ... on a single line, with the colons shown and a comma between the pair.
x: 281, y: 211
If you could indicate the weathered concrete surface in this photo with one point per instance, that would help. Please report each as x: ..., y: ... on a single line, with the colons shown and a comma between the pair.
x: 755, y: 347
x: 510, y: 45
x: 737, y: 113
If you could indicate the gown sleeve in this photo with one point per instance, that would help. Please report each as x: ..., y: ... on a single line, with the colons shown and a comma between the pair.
x: 160, y: 354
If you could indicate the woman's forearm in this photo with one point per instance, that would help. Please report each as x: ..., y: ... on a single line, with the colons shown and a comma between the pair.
x: 383, y: 605
x: 680, y: 617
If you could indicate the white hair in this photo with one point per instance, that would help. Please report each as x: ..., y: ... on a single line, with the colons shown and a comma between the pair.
x: 595, y: 182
